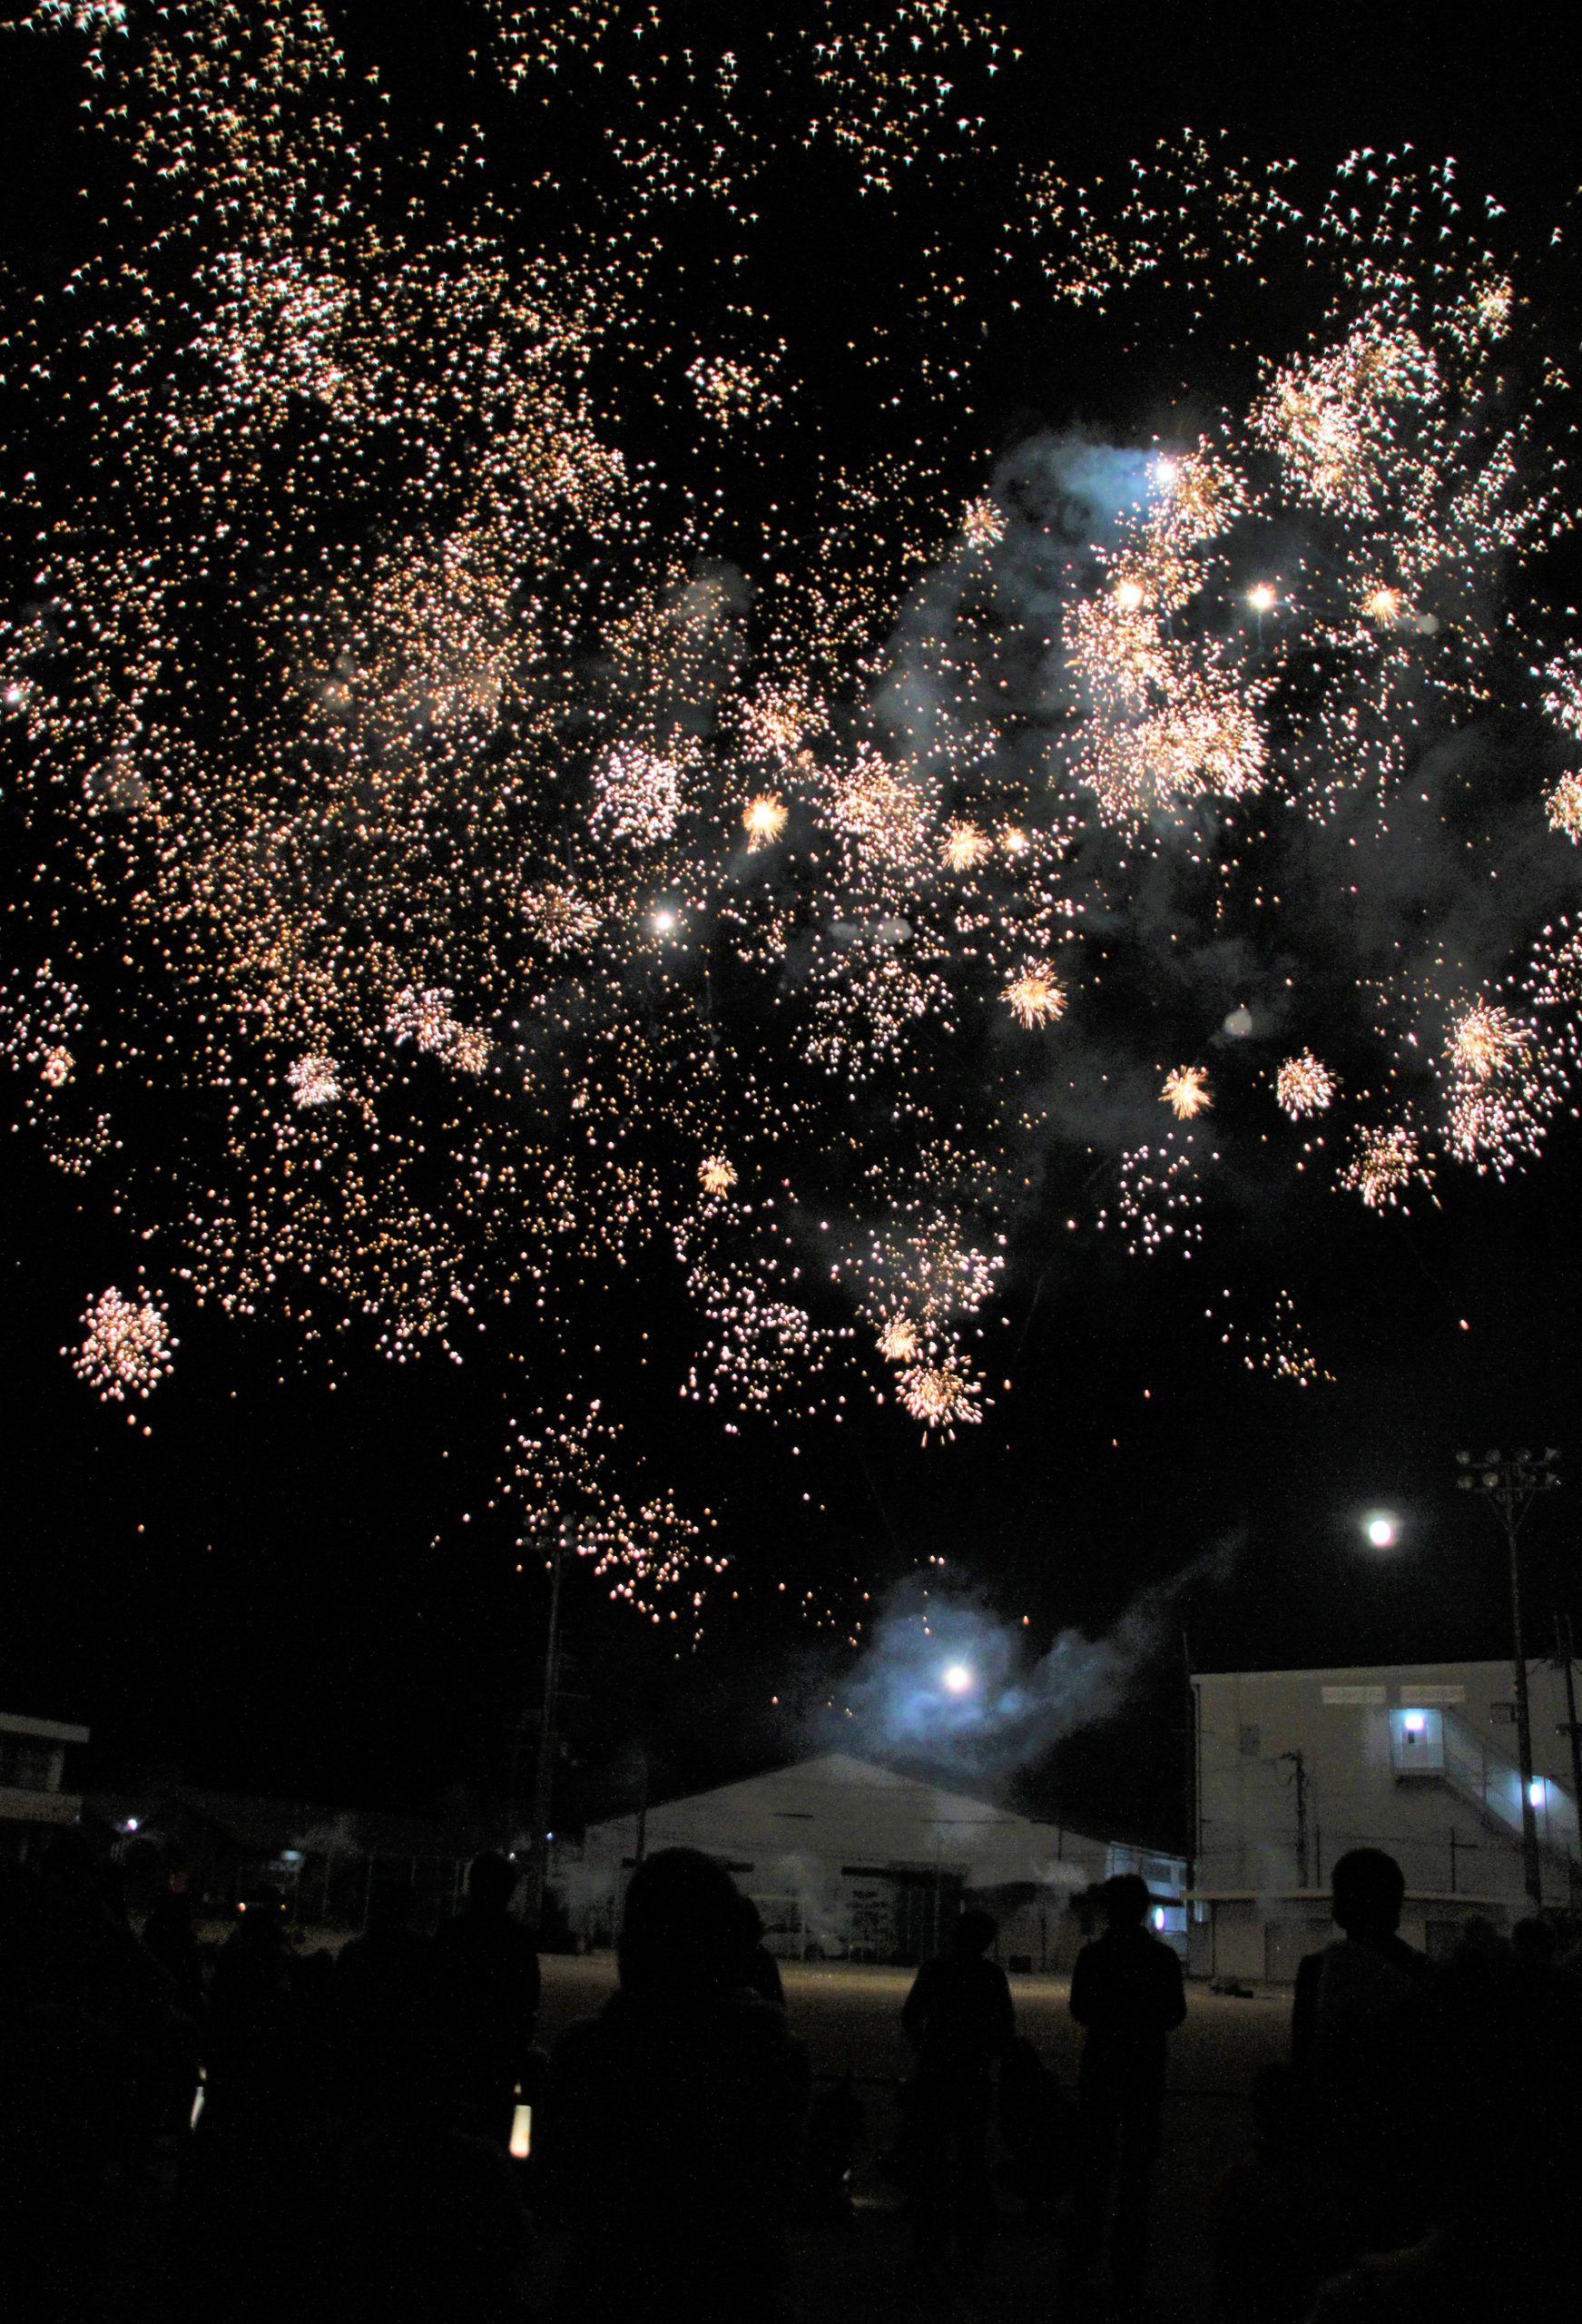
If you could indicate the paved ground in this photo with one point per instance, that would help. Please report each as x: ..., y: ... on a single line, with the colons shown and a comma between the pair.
x: 849, y: 2020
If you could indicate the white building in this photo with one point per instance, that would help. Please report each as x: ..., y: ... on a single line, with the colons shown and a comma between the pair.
x: 32, y: 1767
x: 1293, y: 1767
x: 847, y: 1860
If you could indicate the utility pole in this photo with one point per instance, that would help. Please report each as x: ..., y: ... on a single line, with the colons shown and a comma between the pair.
x: 543, y: 1781
x: 1510, y: 1484
x: 640, y: 1838
x: 1299, y: 1780
x: 1565, y: 1649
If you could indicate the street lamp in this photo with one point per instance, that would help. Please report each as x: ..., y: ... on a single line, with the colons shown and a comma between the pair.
x: 1510, y: 1484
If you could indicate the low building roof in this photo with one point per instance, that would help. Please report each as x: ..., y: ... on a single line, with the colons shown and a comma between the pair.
x: 42, y: 1730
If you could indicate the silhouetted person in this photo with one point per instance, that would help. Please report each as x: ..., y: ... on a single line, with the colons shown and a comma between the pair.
x: 761, y: 1968
x: 1360, y: 2031
x: 1127, y: 1995
x: 959, y: 2018
x: 169, y: 1935
x: 399, y: 2216
x: 384, y: 1989
x: 1038, y: 2128
x: 256, y: 2063
x: 86, y: 2022
x: 486, y: 1984
x: 1269, y: 2244
x: 672, y: 2123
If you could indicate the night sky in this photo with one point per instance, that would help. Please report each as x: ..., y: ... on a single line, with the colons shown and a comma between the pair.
x: 295, y: 1580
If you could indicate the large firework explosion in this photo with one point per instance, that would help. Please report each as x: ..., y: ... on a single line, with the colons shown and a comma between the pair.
x: 536, y: 742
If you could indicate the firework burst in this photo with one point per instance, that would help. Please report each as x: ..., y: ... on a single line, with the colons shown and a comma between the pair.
x: 1185, y: 1091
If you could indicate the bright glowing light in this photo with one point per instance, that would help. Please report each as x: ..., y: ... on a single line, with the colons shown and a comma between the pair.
x: 664, y: 922
x: 763, y: 819
x: 1128, y: 596
x: 1381, y: 1531
x: 1415, y: 1721
x: 1535, y: 1791
x: 1262, y: 599
x: 957, y: 1677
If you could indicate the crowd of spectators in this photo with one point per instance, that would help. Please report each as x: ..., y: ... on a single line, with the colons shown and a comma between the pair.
x: 268, y: 2131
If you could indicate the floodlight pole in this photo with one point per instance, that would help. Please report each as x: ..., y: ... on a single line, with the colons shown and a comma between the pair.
x: 1510, y: 1484
x: 544, y: 1776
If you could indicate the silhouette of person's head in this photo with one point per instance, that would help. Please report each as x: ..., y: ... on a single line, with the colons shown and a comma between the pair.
x: 1124, y: 1899
x: 1535, y: 1942
x: 973, y: 1934
x: 491, y: 1882
x: 681, y: 1935
x: 1367, y: 1889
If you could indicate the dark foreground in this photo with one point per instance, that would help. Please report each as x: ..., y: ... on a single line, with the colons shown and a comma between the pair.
x: 850, y: 2019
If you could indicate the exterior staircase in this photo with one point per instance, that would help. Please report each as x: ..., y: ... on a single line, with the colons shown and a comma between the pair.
x: 1436, y: 1747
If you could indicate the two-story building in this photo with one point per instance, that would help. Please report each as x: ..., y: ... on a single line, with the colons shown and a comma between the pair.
x: 1293, y: 1767
x: 34, y: 1795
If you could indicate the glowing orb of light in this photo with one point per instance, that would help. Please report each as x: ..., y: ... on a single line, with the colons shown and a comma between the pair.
x: 1128, y: 596
x: 664, y: 922
x: 1382, y: 1530
x: 1263, y: 599
x: 958, y: 1679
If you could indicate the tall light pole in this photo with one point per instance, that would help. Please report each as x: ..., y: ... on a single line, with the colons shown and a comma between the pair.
x: 1510, y: 1484
x: 538, y: 1862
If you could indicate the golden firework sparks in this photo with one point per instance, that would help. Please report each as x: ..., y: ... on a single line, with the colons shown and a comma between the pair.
x: 763, y: 819
x: 1565, y: 806
x: 560, y: 920
x: 1384, y: 1164
x: 56, y: 1067
x: 1185, y: 1091
x: 963, y: 846
x: 982, y: 524
x: 940, y: 1396
x: 314, y: 1081
x: 716, y: 1175
x: 1304, y: 1086
x: 1485, y: 1040
x: 127, y: 1348
x: 898, y: 1340
x: 1035, y: 996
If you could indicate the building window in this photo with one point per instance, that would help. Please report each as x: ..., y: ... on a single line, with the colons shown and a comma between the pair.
x: 25, y: 1766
